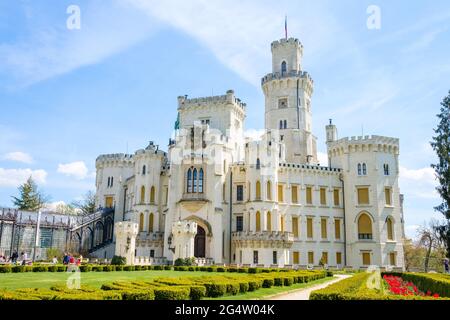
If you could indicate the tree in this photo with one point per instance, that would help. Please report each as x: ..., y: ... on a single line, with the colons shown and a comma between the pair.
x: 30, y: 198
x: 430, y: 239
x: 87, y: 204
x: 441, y: 145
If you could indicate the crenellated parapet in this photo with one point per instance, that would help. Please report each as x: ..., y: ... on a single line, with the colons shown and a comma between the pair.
x: 288, y: 79
x: 283, y: 42
x: 357, y: 144
x: 229, y: 98
x: 114, y: 160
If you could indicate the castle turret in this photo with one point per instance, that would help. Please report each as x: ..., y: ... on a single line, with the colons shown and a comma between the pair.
x: 288, y: 92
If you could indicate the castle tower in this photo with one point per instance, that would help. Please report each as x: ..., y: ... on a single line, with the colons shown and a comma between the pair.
x: 288, y: 90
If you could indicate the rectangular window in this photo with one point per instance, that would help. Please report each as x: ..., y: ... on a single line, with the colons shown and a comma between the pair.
x: 240, y: 256
x: 363, y: 195
x: 296, y: 257
x: 255, y: 257
x: 109, y: 202
x: 338, y: 258
x: 336, y: 197
x: 280, y: 193
x: 308, y: 195
x: 282, y: 103
x: 323, y: 227
x: 323, y: 196
x: 295, y: 226
x: 392, y: 258
x: 387, y: 196
x: 240, y: 193
x: 366, y: 258
x: 152, y: 253
x: 309, y: 227
x: 294, y: 194
x: 274, y: 257
x: 239, y: 223
x: 310, y: 257
x: 324, y: 257
x: 337, y: 229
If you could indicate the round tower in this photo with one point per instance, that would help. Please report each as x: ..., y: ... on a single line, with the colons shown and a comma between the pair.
x: 288, y: 90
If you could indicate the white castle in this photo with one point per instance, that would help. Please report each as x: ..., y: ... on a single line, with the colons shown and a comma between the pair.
x: 226, y: 199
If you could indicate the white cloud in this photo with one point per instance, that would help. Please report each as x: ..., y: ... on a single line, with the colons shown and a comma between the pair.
x: 239, y: 32
x: 254, y: 134
x: 76, y: 169
x: 16, y: 177
x: 411, y: 231
x: 419, y: 183
x: 19, y: 157
x: 51, y: 50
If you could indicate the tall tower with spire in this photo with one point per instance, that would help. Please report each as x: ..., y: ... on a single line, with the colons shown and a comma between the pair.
x: 287, y: 91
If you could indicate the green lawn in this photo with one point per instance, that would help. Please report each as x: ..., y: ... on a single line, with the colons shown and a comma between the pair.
x: 96, y: 279
x: 263, y: 293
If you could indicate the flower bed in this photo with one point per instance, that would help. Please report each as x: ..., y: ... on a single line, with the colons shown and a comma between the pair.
x: 405, y: 288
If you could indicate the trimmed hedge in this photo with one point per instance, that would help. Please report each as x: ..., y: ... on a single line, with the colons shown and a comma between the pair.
x: 172, y: 293
x: 5, y: 269
x: 434, y: 282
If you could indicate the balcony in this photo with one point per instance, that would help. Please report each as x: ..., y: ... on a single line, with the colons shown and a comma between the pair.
x: 263, y: 238
x: 364, y: 236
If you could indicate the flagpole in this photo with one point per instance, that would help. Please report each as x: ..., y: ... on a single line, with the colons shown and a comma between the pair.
x: 285, y: 26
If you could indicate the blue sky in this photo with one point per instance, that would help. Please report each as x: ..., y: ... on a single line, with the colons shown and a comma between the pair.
x: 67, y: 96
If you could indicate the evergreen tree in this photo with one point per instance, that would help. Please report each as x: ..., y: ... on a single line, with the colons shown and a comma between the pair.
x: 441, y: 145
x: 30, y: 198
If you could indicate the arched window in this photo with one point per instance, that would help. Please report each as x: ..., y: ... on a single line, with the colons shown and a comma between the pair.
x: 141, y: 222
x: 152, y: 194
x: 282, y: 224
x: 258, y: 190
x: 109, y: 181
x: 269, y: 221
x: 281, y: 124
x: 364, y: 169
x: 283, y: 67
x: 285, y: 124
x: 390, y: 229
x: 258, y: 164
x: 364, y: 227
x: 144, y: 169
x: 200, y: 180
x: 142, y: 194
x: 359, y: 169
x: 150, y: 222
x: 194, y: 180
x: 189, y: 181
x: 269, y: 190
x: 258, y: 221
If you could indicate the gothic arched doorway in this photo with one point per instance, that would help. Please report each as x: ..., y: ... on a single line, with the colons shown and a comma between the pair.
x: 199, y: 243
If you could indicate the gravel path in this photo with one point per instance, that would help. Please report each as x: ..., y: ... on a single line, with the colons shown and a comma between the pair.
x: 303, y: 294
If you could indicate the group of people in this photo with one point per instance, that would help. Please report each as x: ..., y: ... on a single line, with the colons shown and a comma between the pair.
x: 14, y: 258
x: 69, y: 259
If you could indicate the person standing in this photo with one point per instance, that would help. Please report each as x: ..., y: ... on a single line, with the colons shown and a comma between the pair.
x: 55, y: 260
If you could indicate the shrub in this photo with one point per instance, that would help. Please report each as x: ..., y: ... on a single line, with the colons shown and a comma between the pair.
x: 52, y: 268
x: 158, y: 268
x: 119, y: 268
x: 98, y: 268
x: 278, y: 281
x: 138, y: 295
x: 252, y: 270
x: 40, y: 268
x: 202, y: 268
x: 16, y: 269
x: 128, y: 268
x: 268, y: 282
x: 288, y: 281
x: 243, y: 270
x: 232, y: 269
x: 233, y: 288
x: 5, y: 269
x: 220, y: 269
x: 191, y: 268
x: 138, y: 268
x: 172, y: 293
x: 243, y: 287
x: 119, y: 261
x: 167, y: 267
x: 253, y: 285
x: 216, y: 289
x: 211, y: 269
x: 62, y: 268
x: 85, y: 268
x: 108, y: 268
x: 197, y: 292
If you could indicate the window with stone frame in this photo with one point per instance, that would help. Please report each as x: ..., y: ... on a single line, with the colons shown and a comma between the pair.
x: 282, y: 103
